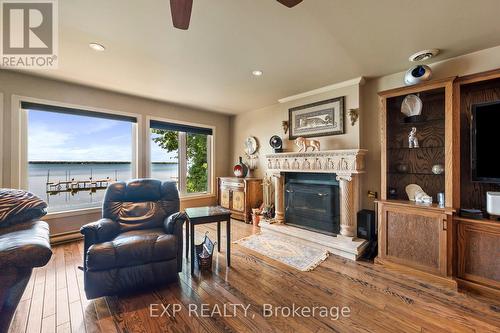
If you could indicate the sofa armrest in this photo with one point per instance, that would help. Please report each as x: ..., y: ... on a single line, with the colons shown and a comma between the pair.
x: 100, y: 231
x: 173, y: 223
x: 173, y: 226
x: 25, y: 245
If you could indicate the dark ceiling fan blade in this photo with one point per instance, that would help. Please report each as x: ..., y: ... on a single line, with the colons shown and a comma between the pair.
x: 290, y: 3
x: 181, y: 13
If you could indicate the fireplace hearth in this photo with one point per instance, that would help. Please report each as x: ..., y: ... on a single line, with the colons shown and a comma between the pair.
x: 312, y: 202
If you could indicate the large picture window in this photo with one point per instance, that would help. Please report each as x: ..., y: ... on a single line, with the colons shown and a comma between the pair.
x: 73, y: 154
x: 181, y: 153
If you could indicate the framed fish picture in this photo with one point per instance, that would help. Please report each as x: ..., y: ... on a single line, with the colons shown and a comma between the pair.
x: 317, y: 119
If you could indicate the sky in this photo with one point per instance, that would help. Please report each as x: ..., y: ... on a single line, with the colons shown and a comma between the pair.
x: 63, y: 137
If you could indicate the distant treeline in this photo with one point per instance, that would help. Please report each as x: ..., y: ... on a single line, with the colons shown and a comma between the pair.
x: 90, y: 162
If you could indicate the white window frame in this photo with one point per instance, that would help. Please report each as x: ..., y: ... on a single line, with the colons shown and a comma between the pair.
x: 182, y: 157
x: 19, y: 137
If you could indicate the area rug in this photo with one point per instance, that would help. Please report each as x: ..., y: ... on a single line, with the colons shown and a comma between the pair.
x: 288, y: 250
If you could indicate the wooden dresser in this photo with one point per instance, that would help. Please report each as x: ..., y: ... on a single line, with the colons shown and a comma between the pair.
x: 240, y: 195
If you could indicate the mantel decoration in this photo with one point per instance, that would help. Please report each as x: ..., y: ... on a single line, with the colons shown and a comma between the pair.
x: 317, y: 119
x: 276, y: 143
x: 304, y: 143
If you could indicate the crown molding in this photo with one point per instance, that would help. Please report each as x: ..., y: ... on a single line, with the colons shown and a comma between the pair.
x: 357, y: 81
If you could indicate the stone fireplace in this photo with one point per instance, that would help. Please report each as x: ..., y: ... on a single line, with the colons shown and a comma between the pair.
x: 335, y: 173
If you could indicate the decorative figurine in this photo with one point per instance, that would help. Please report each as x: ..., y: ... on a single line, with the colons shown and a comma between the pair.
x: 304, y: 143
x: 412, y: 138
x: 415, y: 193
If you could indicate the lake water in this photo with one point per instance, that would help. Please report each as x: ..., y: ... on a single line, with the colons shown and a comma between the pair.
x: 85, y: 199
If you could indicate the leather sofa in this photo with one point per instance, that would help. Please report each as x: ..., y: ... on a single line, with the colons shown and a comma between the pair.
x: 138, y: 242
x: 22, y: 246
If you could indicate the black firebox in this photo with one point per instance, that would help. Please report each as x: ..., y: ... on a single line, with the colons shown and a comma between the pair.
x: 312, y: 202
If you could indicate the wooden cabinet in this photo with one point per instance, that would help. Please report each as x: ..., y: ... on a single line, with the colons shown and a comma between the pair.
x: 414, y: 236
x: 240, y: 195
x: 478, y: 255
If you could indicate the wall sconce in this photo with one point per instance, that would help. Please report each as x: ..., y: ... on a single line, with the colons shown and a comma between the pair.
x: 284, y: 124
x: 354, y: 115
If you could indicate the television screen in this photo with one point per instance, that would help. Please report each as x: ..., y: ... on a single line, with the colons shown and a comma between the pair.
x: 485, y: 133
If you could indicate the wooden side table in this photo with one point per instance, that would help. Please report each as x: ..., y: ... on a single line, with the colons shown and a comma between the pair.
x: 203, y: 215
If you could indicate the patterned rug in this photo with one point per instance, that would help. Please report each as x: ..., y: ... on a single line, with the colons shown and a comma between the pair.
x: 286, y: 249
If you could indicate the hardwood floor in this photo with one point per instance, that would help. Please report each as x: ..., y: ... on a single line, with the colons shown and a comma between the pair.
x: 379, y: 300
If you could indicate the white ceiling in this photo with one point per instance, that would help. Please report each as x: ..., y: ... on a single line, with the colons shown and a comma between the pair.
x: 317, y: 43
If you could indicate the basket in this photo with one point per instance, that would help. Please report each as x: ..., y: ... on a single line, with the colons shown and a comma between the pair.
x: 204, y: 253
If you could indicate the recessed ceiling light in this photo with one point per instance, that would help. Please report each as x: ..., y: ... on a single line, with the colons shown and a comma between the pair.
x: 423, y: 55
x: 97, y: 47
x: 257, y: 72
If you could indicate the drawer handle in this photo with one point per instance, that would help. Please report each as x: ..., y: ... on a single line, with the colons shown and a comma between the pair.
x: 323, y: 194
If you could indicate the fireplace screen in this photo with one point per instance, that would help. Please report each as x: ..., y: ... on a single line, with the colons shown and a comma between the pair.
x: 312, y: 202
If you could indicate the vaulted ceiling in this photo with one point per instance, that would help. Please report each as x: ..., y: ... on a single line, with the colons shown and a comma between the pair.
x: 316, y: 43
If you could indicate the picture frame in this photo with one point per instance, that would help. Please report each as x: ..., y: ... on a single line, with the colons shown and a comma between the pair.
x: 316, y: 119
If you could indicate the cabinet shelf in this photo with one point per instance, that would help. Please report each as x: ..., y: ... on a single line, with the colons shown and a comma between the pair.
x: 422, y: 122
x: 407, y: 148
x: 414, y: 173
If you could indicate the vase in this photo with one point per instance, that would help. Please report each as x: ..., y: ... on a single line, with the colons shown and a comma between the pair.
x: 240, y: 170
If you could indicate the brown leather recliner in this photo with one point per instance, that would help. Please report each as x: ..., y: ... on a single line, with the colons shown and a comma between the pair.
x: 138, y: 242
x: 22, y: 246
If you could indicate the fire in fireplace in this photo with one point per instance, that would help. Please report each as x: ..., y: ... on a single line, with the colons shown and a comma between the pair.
x: 312, y: 202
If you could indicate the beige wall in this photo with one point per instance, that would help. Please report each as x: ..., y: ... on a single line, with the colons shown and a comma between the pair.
x: 265, y: 122
x: 12, y: 83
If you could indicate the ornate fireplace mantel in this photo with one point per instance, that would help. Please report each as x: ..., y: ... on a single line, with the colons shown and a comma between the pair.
x: 345, y: 161
x: 346, y: 164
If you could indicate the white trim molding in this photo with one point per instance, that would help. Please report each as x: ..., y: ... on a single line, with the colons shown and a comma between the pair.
x: 357, y: 81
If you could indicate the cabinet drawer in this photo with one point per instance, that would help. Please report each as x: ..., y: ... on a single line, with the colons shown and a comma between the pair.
x: 228, y: 183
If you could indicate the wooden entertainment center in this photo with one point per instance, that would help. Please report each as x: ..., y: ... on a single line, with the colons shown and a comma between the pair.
x: 427, y: 239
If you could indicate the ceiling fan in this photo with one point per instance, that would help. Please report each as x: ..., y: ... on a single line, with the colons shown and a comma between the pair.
x: 181, y: 11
